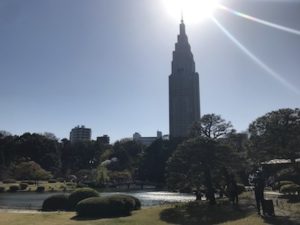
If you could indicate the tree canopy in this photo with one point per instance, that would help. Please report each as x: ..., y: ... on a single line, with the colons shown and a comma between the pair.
x: 276, y: 135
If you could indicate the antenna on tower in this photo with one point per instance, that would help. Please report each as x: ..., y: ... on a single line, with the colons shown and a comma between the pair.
x: 181, y: 15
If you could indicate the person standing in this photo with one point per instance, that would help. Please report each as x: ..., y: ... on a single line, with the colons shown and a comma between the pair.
x: 259, y: 185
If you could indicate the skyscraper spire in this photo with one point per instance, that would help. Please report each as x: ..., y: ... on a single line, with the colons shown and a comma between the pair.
x: 181, y: 16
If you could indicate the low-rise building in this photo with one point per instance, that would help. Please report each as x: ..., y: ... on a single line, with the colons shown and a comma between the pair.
x: 80, y: 133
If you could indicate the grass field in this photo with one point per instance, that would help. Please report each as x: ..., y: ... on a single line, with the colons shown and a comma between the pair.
x: 192, y: 213
x: 149, y: 216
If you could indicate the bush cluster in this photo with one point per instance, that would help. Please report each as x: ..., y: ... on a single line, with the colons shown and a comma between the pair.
x: 23, y: 186
x: 56, y: 202
x: 2, y: 189
x: 14, y: 188
x: 9, y: 181
x: 290, y: 188
x: 80, y: 194
x: 52, y: 181
x: 278, y: 185
x: 111, y: 206
x: 29, y: 182
x: 40, y: 189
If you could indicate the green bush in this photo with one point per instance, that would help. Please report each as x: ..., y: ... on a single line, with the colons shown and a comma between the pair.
x: 81, y: 185
x: 80, y: 194
x: 240, y: 189
x: 2, y: 189
x: 40, y: 189
x: 29, y: 182
x: 23, y: 186
x: 14, y: 188
x: 55, y: 203
x: 60, y: 179
x: 278, y: 184
x: 52, y: 181
x: 290, y: 188
x: 9, y: 181
x: 104, y: 207
x: 132, y: 202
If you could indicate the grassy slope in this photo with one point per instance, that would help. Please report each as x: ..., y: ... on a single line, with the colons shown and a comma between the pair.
x: 150, y: 216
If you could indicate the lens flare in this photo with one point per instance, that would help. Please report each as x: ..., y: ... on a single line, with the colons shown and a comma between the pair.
x: 193, y: 11
x: 265, y: 67
x: 257, y: 20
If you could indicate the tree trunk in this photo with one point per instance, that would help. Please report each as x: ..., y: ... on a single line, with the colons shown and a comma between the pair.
x: 210, y: 194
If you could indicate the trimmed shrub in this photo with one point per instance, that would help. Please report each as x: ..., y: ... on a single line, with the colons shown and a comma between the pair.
x: 132, y: 202
x: 14, y: 188
x: 52, y: 181
x: 2, y: 189
x: 278, y: 184
x: 23, y: 186
x: 103, y: 207
x: 40, y: 189
x: 60, y: 179
x: 55, y: 203
x: 9, y: 181
x: 240, y: 189
x: 290, y: 188
x: 29, y: 182
x: 81, y: 185
x: 80, y: 194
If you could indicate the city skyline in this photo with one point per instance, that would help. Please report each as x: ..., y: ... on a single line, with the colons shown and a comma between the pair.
x: 105, y: 64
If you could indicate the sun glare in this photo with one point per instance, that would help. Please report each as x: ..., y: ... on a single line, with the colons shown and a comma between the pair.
x: 193, y: 11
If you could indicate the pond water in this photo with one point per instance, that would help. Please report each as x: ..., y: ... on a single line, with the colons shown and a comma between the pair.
x: 28, y: 200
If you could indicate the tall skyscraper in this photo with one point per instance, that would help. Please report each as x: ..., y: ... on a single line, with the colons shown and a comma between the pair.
x: 184, y: 96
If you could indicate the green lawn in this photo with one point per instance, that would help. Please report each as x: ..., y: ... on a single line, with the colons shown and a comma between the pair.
x: 193, y: 213
x: 150, y: 216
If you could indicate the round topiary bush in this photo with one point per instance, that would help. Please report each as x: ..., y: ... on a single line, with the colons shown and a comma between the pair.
x: 14, y: 188
x: 51, y: 181
x: 2, y: 189
x: 128, y: 200
x: 240, y: 189
x: 40, y: 189
x: 55, y: 203
x: 9, y: 181
x: 290, y: 188
x: 80, y: 194
x: 278, y: 184
x: 104, y: 207
x: 23, y: 186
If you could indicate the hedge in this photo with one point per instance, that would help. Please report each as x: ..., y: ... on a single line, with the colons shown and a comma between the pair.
x: 111, y: 206
x: 240, y: 189
x: 290, y: 188
x: 52, y: 181
x: 132, y: 202
x: 40, y: 189
x: 23, y: 186
x: 14, y: 188
x: 2, y: 189
x: 80, y: 194
x: 9, y: 181
x: 55, y: 203
x: 278, y: 184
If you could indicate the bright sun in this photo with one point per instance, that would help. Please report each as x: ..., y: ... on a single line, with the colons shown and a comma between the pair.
x: 193, y: 11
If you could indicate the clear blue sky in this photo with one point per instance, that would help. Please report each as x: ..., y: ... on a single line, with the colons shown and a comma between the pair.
x: 105, y: 64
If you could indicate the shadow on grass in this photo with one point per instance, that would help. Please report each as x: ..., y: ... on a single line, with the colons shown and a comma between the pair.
x: 280, y: 220
x: 195, y: 213
x: 84, y: 218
